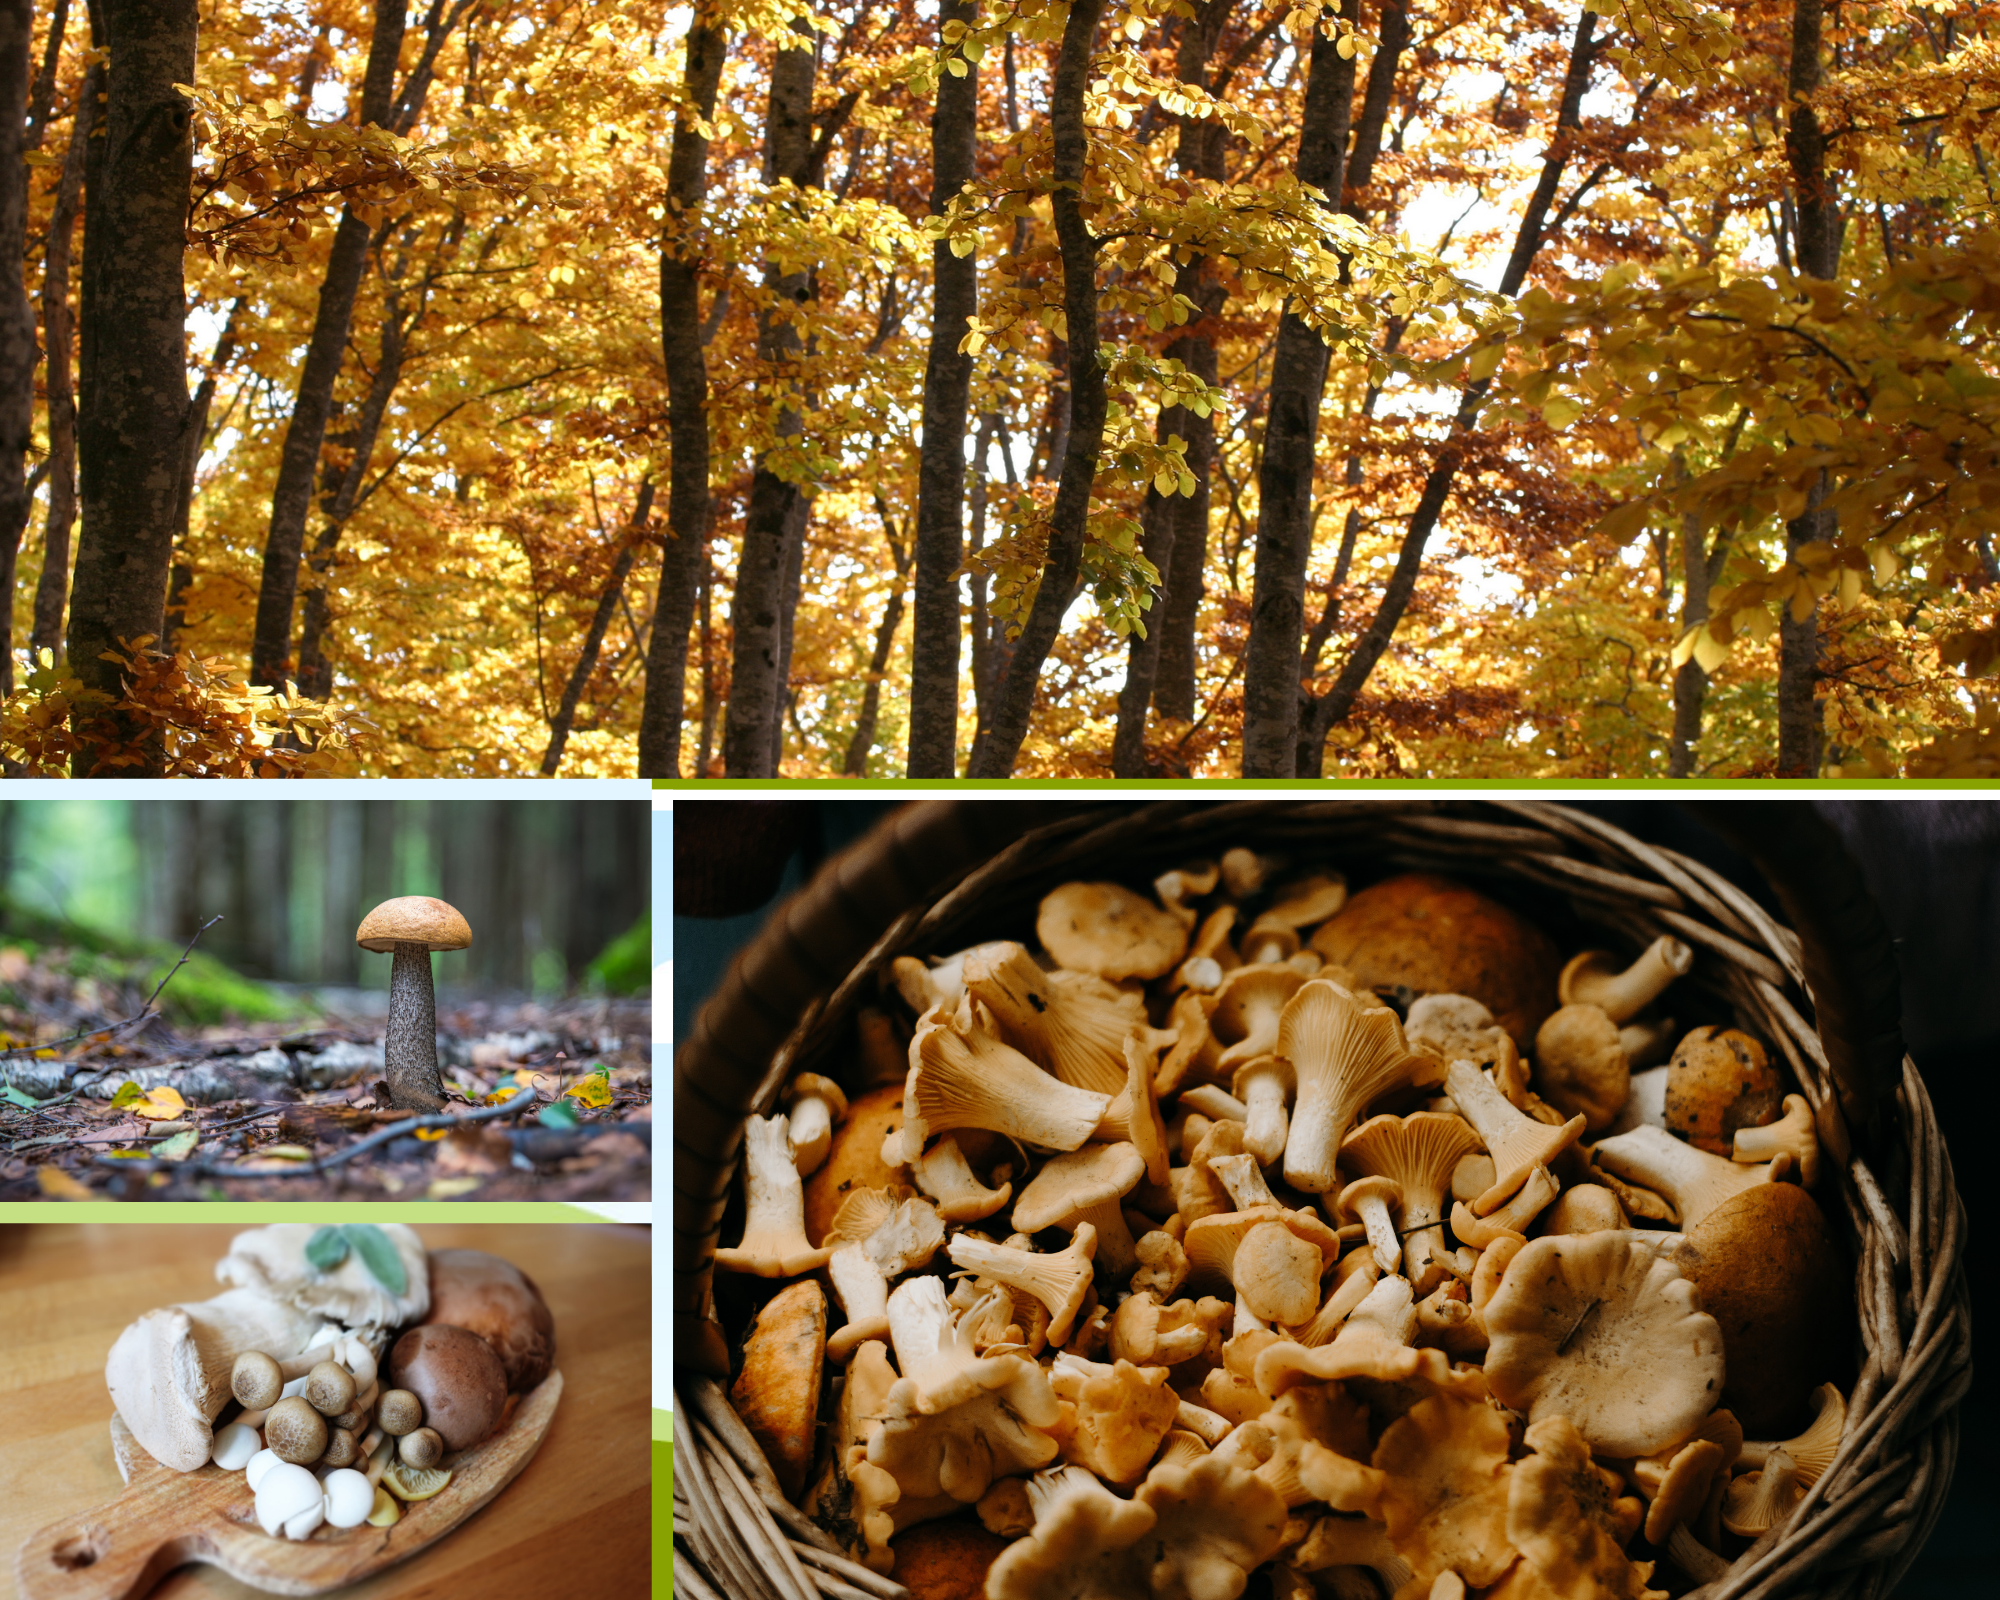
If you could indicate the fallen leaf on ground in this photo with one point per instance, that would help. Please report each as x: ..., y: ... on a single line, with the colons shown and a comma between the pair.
x: 59, y: 1185
x: 163, y: 1104
x: 475, y: 1150
x: 178, y: 1148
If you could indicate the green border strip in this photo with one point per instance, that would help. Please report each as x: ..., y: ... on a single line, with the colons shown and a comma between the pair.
x: 184, y: 1211
x: 663, y: 1507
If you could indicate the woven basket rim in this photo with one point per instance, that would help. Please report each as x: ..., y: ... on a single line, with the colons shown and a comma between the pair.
x: 1865, y: 1519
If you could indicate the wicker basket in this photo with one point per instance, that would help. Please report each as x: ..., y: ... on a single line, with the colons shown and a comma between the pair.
x: 938, y: 876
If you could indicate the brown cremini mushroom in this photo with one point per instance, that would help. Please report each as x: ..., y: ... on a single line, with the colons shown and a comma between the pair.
x: 457, y: 1379
x: 399, y: 1412
x: 412, y: 926
x: 496, y: 1300
x: 421, y: 1447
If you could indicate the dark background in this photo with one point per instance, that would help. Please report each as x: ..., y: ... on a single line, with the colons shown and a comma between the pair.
x: 1932, y: 864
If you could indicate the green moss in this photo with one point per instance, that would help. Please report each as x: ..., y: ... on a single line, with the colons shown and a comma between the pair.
x: 625, y: 965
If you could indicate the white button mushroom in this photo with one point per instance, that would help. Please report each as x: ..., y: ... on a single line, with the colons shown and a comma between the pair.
x: 236, y: 1446
x: 302, y: 1525
x: 259, y: 1464
x: 349, y: 1497
x: 284, y: 1494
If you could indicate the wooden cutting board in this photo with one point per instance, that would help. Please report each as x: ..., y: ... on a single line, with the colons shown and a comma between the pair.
x: 167, y: 1518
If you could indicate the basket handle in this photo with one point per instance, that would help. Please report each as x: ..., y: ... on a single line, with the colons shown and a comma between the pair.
x: 1845, y: 947
x: 803, y: 951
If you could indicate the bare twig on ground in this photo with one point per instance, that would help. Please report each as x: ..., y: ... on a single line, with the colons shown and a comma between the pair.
x: 146, y: 1012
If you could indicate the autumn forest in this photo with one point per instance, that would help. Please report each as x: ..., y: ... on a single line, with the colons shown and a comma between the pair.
x: 989, y: 388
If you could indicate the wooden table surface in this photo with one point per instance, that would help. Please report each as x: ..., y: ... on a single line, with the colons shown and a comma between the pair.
x: 577, y: 1520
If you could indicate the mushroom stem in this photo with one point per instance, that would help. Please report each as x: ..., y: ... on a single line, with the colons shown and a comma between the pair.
x: 1623, y: 995
x: 1518, y: 1143
x: 381, y: 1450
x: 409, y: 1045
x: 1058, y: 1281
x: 1381, y: 1226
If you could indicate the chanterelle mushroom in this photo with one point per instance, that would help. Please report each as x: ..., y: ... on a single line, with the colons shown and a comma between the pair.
x: 1419, y: 1152
x: 1071, y: 1024
x: 1694, y: 1180
x: 968, y: 1079
x: 1566, y: 1517
x: 412, y: 926
x: 774, y: 1232
x: 1602, y: 1328
x: 1086, y: 1186
x: 1593, y: 978
x: 1109, y: 930
x: 1345, y: 1054
x: 1518, y: 1143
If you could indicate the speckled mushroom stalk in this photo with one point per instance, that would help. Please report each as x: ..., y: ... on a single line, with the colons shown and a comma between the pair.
x: 1593, y: 978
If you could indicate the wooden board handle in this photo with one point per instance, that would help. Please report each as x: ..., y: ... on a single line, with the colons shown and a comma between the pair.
x: 108, y: 1554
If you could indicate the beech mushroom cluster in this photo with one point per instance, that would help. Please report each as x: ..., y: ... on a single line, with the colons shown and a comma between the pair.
x: 299, y: 1380
x: 1251, y: 1223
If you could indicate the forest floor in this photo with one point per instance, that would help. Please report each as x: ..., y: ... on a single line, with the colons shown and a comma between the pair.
x: 102, y: 1097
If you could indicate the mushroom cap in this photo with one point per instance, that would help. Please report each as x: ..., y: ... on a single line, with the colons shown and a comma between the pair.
x: 255, y: 1380
x: 1580, y: 1065
x: 946, y: 1560
x: 399, y: 1412
x: 413, y: 919
x: 1771, y: 1276
x: 1432, y: 935
x: 1456, y: 1027
x: 1603, y: 1328
x: 496, y: 1300
x: 457, y: 1378
x: 329, y: 1388
x: 1420, y: 1151
x: 1719, y: 1080
x: 1107, y: 929
x: 777, y: 1392
x: 1070, y: 1184
x: 295, y: 1432
x: 855, y: 1161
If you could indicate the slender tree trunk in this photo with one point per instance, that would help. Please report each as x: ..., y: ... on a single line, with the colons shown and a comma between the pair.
x: 593, y: 639
x: 58, y: 330
x: 1161, y: 666
x: 182, y: 571
x: 977, y: 618
x: 1438, y: 481
x: 1817, y: 252
x: 681, y: 551
x: 711, y: 691
x: 1067, y: 518
x: 298, y: 463
x: 315, y: 670
x: 134, y: 412
x: 934, y: 636
x: 1142, y: 652
x: 751, y: 733
x: 1690, y: 681
x: 794, y: 548
x: 856, y: 764
x: 17, y: 318
x: 1285, y: 476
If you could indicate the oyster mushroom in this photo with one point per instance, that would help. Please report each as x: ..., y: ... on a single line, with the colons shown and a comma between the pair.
x: 1603, y: 1329
x: 1345, y: 1054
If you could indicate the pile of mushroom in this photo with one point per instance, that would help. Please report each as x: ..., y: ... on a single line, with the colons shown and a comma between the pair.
x: 1256, y: 1224
x: 297, y: 1378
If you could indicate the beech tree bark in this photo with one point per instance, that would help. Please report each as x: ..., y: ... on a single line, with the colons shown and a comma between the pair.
x: 1159, y: 668
x: 298, y: 463
x: 687, y: 411
x: 1285, y: 475
x: 776, y: 515
x: 856, y: 764
x: 940, y: 537
x: 58, y: 329
x: 1071, y: 511
x: 1528, y: 239
x: 134, y: 411
x: 17, y: 318
x: 1817, y: 253
x: 593, y: 639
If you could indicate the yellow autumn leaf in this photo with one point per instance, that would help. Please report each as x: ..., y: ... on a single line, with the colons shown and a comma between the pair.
x: 160, y: 1105
x: 593, y: 1091
x: 286, y: 1152
x: 432, y: 1135
x: 59, y: 1185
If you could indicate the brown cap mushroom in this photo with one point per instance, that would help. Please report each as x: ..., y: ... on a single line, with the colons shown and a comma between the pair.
x: 294, y: 1432
x: 1719, y: 1080
x: 421, y: 1447
x: 496, y: 1300
x: 329, y: 1388
x: 399, y: 1412
x: 455, y: 1376
x: 1581, y: 1067
x: 412, y: 926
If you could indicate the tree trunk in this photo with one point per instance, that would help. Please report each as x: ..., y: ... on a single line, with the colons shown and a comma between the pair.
x: 1437, y: 487
x: 1818, y: 256
x: 681, y: 557
x: 934, y: 636
x: 593, y: 639
x: 134, y: 412
x: 1690, y: 681
x: 17, y: 318
x: 1285, y: 476
x: 298, y: 464
x: 751, y: 731
x: 1071, y: 511
x: 182, y: 573
x: 315, y: 670
x: 977, y: 618
x: 58, y: 330
x: 856, y: 764
x: 1142, y: 652
x: 1164, y: 662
